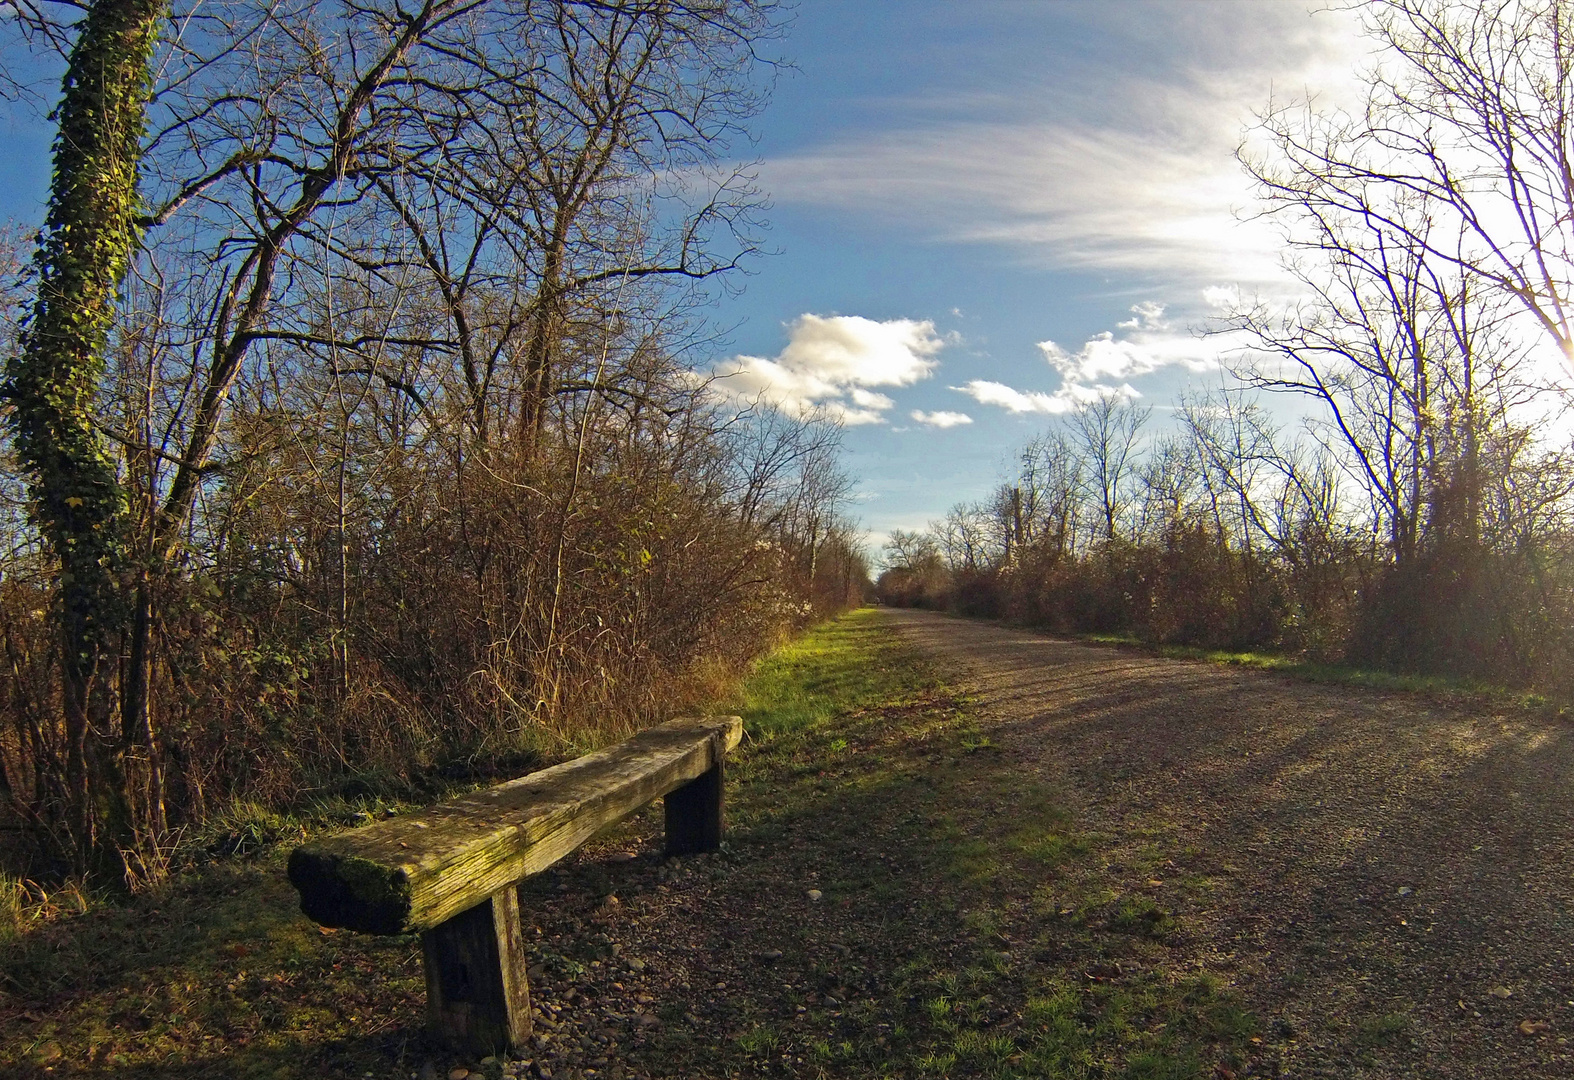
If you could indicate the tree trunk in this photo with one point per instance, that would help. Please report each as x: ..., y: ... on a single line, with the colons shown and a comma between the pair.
x: 89, y: 236
x: 544, y: 327
x: 136, y: 717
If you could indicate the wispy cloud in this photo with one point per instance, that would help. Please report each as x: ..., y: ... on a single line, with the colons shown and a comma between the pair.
x: 1095, y: 169
x: 831, y: 361
x: 1058, y: 193
x: 941, y: 418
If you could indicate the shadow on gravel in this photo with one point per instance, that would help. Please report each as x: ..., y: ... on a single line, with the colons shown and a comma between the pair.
x: 1388, y: 875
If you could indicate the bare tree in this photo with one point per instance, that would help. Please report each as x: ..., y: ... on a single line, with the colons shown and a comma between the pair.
x: 1404, y: 350
x: 1107, y: 431
x: 909, y: 549
x: 968, y: 538
x: 1467, y: 118
x: 1050, y: 477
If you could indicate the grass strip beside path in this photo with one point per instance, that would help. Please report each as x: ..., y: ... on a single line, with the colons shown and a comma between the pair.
x: 1440, y: 687
x: 892, y: 901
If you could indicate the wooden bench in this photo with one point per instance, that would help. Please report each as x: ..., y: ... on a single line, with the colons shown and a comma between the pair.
x: 451, y: 872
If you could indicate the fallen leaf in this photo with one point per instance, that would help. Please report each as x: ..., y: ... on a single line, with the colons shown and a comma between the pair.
x: 1534, y: 1027
x: 1501, y: 992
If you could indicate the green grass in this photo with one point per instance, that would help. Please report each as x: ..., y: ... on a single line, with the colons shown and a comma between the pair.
x: 216, y: 968
x: 836, y: 669
x: 1336, y: 674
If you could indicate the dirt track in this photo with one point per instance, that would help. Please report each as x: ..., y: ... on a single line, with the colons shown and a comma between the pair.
x: 1387, y: 879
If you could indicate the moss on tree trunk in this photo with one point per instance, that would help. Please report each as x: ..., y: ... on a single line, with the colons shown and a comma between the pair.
x: 89, y: 237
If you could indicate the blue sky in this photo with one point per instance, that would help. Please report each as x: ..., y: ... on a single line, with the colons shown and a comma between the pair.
x: 986, y: 210
x: 974, y: 180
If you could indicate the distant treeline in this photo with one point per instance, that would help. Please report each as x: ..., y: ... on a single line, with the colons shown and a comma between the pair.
x: 1456, y: 556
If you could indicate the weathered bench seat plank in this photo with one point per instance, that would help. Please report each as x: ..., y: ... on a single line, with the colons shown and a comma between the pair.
x: 416, y: 871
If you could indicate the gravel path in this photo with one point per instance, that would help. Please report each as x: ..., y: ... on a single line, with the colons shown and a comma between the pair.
x: 1388, y: 879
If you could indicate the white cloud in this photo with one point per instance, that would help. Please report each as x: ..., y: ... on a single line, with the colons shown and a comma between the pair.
x: 1148, y: 315
x: 830, y: 361
x: 870, y: 400
x: 1136, y: 352
x: 1069, y: 398
x: 1222, y: 298
x: 1061, y: 194
x: 1101, y: 367
x: 941, y: 418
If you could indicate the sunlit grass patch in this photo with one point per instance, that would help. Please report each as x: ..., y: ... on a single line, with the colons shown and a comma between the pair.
x: 26, y: 905
x: 838, y: 667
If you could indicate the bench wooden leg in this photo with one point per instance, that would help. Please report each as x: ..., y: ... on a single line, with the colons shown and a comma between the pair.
x: 476, y: 994
x: 694, y: 814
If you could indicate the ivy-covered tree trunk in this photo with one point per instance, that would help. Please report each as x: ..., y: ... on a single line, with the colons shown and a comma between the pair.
x: 89, y: 238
